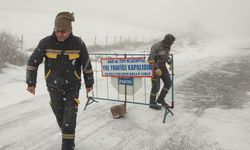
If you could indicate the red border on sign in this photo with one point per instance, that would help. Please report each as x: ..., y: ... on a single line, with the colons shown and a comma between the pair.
x: 126, y: 76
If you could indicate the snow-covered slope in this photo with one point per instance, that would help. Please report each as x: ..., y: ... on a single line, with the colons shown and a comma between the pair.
x: 206, y: 115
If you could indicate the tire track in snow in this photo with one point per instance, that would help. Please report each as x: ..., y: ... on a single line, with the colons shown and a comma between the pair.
x: 182, y: 132
x: 93, y: 126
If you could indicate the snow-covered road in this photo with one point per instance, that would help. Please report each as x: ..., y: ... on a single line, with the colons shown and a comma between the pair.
x: 212, y: 112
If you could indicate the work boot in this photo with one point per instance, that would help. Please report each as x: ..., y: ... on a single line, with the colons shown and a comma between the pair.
x: 153, y: 104
x: 68, y: 144
x: 161, y: 97
x: 162, y: 102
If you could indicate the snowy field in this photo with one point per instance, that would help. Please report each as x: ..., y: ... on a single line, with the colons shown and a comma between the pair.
x: 212, y: 76
x: 212, y: 108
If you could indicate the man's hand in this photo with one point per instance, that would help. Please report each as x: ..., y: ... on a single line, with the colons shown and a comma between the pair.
x: 151, y: 60
x: 89, y: 89
x: 158, y: 72
x: 171, y: 67
x: 169, y: 61
x: 31, y: 89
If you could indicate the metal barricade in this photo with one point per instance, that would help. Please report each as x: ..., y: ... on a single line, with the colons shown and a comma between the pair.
x: 104, y: 90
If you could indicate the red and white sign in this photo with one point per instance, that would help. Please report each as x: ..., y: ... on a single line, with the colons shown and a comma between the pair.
x: 133, y: 67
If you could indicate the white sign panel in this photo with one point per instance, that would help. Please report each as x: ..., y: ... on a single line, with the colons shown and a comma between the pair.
x: 133, y: 67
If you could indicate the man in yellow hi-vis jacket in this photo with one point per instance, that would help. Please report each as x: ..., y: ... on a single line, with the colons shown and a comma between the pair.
x: 65, y: 56
x: 159, y: 56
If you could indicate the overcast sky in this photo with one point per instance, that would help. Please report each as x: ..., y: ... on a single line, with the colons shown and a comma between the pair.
x: 216, y: 16
x: 219, y: 16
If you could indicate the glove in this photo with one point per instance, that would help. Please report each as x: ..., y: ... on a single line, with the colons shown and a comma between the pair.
x: 31, y: 89
x: 169, y: 61
x: 171, y: 67
x: 158, y: 72
x: 151, y: 60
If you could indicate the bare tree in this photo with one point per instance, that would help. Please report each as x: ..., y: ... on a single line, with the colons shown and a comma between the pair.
x: 9, y: 45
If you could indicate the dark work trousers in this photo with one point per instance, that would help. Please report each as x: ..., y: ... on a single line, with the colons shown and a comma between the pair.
x: 165, y: 77
x: 65, y: 105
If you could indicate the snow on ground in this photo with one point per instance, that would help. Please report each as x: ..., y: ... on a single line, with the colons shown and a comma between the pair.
x: 218, y: 96
x: 227, y: 128
x: 211, y: 111
x: 13, y: 87
x: 211, y: 91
